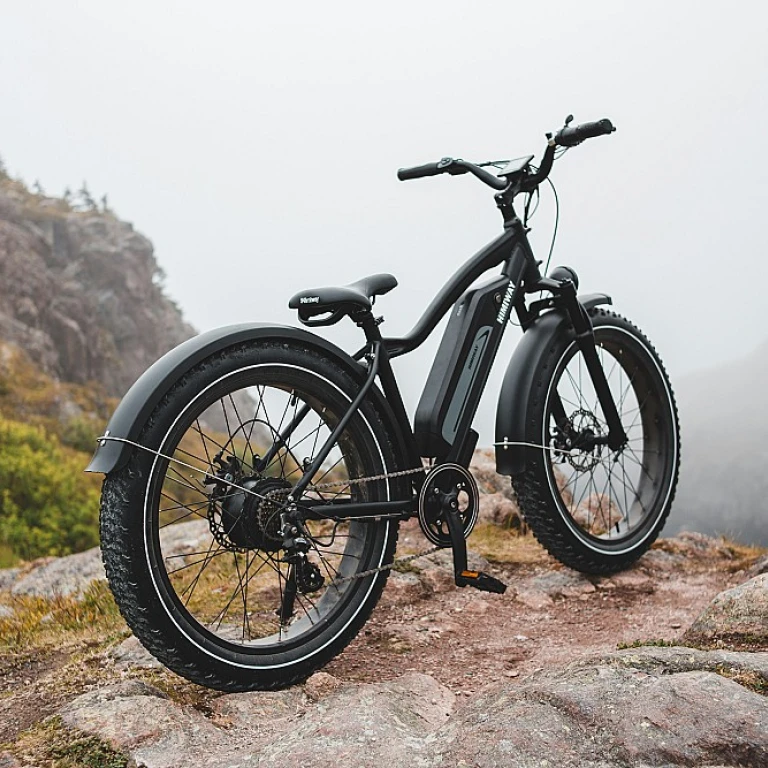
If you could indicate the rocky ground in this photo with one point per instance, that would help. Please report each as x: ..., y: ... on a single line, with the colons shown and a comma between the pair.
x: 439, y: 676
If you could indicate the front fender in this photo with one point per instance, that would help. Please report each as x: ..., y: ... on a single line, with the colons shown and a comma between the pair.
x: 519, y: 380
x: 149, y: 389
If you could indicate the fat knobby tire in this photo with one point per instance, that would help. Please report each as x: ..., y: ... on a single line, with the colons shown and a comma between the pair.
x: 122, y: 534
x: 532, y: 489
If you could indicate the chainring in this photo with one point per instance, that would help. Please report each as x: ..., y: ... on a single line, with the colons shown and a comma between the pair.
x: 447, y: 479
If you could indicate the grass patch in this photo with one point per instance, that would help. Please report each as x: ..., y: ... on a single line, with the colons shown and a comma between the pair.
x: 730, y: 556
x: 505, y: 545
x: 52, y: 744
x: 37, y: 622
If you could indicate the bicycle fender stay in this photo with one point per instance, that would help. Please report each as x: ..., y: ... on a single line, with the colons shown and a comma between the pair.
x: 148, y: 390
x: 515, y: 390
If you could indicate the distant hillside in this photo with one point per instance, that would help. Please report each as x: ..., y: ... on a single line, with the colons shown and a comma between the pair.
x: 82, y: 315
x: 80, y: 291
x: 724, y: 424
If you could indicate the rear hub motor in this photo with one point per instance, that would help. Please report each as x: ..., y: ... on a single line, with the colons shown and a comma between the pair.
x: 245, y: 521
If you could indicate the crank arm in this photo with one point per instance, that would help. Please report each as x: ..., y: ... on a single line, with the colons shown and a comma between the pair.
x: 462, y: 576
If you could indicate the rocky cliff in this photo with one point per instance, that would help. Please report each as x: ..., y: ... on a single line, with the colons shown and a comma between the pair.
x: 80, y: 291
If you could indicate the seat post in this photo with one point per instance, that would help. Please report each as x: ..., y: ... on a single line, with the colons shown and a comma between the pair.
x: 370, y: 324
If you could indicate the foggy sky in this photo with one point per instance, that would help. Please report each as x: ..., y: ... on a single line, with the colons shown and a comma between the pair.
x: 256, y: 144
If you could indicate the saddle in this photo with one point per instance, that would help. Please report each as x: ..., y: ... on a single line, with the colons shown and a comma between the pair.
x: 325, y: 306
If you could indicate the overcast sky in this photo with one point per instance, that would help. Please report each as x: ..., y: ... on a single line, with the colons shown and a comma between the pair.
x: 256, y: 144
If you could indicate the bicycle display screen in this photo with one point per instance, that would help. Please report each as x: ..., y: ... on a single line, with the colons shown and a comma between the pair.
x: 515, y: 166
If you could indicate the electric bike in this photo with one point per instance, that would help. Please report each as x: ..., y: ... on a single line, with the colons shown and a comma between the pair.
x: 256, y: 474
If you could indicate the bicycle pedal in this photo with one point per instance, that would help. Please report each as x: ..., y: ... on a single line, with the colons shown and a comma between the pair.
x: 481, y: 581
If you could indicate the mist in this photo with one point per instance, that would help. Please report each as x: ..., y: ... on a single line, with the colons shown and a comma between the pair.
x: 257, y: 144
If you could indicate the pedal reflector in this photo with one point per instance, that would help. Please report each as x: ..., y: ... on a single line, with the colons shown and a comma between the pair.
x: 481, y: 581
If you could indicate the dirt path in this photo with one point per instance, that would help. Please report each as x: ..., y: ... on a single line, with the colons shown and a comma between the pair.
x: 467, y: 640
x: 549, y: 615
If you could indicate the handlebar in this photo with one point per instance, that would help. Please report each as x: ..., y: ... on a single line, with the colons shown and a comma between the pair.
x: 570, y: 137
x: 455, y: 168
x: 565, y: 137
x: 419, y: 171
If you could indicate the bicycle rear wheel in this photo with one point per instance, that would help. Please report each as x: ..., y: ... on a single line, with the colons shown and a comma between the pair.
x: 596, y: 509
x: 191, y: 534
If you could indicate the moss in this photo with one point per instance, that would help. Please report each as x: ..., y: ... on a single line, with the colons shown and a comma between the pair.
x: 752, y: 680
x: 50, y: 743
x: 658, y: 643
x: 506, y: 545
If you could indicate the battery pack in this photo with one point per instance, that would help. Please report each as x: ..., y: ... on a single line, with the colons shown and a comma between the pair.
x: 457, y: 378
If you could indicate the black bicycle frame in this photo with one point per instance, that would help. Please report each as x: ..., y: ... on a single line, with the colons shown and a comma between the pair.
x: 470, y: 343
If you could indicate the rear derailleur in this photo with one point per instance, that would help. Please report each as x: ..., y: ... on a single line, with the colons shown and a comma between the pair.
x: 303, y: 575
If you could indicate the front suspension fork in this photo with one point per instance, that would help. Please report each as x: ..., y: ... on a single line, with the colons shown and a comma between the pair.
x: 585, y: 340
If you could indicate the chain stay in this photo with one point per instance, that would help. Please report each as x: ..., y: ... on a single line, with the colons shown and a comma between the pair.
x: 320, y: 486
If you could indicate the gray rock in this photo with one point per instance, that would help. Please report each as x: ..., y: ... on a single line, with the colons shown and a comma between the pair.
x: 71, y: 575
x: 131, y: 654
x: 156, y: 732
x: 62, y: 576
x: 671, y: 660
x: 640, y: 707
x: 379, y: 724
x: 8, y: 577
x: 355, y: 726
x: 262, y: 715
x: 563, y: 583
x: 736, y: 616
x: 539, y: 592
x: 6, y: 612
x: 79, y: 292
x: 406, y: 587
x: 610, y: 714
x: 761, y: 566
x: 321, y: 684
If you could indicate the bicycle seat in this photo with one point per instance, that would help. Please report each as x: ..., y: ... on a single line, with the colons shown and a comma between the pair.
x: 340, y: 300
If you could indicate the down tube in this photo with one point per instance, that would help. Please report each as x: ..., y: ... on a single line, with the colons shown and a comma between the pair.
x: 460, y: 371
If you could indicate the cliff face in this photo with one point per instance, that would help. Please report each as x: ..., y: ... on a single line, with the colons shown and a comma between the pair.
x: 80, y: 292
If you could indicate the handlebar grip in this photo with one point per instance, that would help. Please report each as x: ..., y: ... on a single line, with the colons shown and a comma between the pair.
x: 570, y: 137
x: 419, y: 171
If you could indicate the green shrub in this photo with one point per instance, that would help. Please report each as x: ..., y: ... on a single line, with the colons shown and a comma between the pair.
x: 48, y: 506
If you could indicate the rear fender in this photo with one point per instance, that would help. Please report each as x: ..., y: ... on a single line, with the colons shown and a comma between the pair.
x: 149, y: 389
x: 519, y: 380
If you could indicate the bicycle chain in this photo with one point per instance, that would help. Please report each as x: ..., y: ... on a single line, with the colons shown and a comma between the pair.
x: 106, y: 437
x: 373, y: 479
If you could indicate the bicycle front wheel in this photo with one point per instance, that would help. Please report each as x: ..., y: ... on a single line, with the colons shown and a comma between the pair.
x: 596, y: 509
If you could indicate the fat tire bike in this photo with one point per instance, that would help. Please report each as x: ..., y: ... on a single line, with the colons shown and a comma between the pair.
x: 256, y: 475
